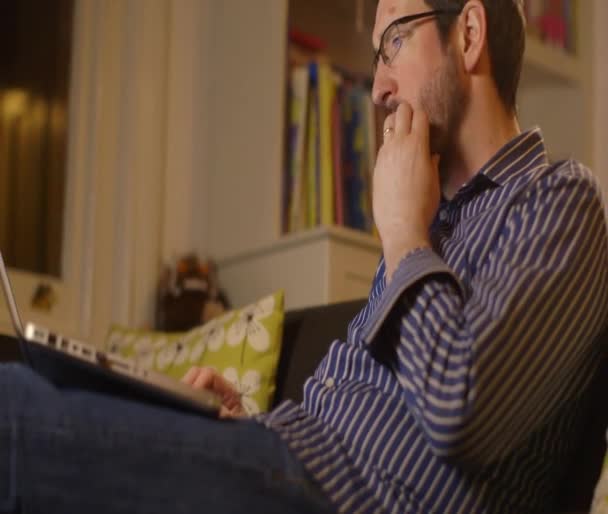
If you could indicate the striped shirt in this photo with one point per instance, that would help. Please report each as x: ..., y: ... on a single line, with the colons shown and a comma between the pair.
x: 460, y: 386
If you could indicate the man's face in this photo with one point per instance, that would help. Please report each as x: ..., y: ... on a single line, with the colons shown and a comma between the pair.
x: 423, y: 73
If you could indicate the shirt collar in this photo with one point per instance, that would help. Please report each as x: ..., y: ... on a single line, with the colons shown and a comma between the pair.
x: 519, y: 156
x: 524, y: 153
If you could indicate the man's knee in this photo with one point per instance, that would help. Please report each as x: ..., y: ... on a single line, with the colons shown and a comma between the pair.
x: 18, y: 384
x: 8, y: 466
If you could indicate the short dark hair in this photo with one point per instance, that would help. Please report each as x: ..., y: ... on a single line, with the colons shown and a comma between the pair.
x: 506, y: 34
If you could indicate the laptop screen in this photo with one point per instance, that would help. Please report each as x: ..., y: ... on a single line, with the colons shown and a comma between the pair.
x: 10, y: 298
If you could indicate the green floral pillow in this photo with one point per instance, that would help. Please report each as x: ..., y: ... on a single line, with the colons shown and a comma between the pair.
x: 243, y: 345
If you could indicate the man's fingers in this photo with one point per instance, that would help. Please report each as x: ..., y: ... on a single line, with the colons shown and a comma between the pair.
x: 226, y: 413
x: 389, y: 125
x: 208, y: 378
x: 204, y: 379
x: 403, y: 119
x: 420, y: 125
x: 190, y: 375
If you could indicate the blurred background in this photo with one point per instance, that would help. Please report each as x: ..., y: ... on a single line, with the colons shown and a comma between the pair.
x: 134, y: 132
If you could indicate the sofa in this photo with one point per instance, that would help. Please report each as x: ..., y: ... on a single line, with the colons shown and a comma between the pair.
x: 307, y: 334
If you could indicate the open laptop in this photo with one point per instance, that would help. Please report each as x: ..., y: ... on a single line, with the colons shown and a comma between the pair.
x: 74, y: 364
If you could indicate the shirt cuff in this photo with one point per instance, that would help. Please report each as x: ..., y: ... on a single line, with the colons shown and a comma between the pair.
x: 415, y: 266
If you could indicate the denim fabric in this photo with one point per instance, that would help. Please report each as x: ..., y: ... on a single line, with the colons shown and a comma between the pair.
x: 64, y: 451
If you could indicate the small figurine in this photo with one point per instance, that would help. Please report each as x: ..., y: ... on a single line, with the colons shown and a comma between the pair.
x: 189, y: 295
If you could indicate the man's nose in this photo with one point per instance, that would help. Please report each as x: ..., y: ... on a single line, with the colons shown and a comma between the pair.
x: 384, y: 87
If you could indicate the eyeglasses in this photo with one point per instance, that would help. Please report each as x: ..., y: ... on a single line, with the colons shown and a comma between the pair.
x: 398, y: 32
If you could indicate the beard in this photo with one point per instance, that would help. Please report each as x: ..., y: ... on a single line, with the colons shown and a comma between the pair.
x: 445, y: 101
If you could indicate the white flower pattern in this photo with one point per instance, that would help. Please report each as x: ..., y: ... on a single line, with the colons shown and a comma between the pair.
x: 119, y: 341
x: 248, y: 325
x: 210, y: 336
x: 144, y: 353
x: 247, y: 385
x: 173, y: 354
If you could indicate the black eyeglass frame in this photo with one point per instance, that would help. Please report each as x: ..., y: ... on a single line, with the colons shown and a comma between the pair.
x: 401, y: 21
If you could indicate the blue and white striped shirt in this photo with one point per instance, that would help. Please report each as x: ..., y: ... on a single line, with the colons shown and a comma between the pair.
x: 459, y: 386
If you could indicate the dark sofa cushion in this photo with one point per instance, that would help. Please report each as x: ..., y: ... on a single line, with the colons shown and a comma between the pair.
x: 9, y: 348
x: 307, y: 334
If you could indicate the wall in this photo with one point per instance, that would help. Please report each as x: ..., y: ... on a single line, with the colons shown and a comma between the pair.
x: 246, y: 128
x: 600, y: 92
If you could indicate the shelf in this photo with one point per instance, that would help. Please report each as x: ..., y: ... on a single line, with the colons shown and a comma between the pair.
x: 322, y: 265
x: 545, y: 63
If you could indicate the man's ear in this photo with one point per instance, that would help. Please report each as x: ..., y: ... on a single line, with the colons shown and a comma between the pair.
x: 472, y: 34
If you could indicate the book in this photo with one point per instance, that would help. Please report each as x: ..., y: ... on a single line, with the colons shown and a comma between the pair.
x: 353, y: 156
x: 370, y: 154
x: 336, y: 129
x: 326, y: 93
x: 298, y: 130
x: 362, y: 150
x: 313, y: 150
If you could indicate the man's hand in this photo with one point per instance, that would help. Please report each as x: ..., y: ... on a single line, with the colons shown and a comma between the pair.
x: 406, y: 185
x: 208, y: 378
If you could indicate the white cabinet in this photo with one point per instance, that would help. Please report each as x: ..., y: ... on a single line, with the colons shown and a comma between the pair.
x: 323, y: 265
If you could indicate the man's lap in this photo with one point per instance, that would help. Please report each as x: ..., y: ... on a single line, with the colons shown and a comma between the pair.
x: 77, y: 450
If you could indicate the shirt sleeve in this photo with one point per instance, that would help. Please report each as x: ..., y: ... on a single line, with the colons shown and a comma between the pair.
x: 483, y: 366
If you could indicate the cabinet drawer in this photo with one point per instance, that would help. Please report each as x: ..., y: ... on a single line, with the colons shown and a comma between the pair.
x: 351, y: 270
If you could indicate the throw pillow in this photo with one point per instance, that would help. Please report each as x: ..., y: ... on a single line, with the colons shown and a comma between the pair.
x: 243, y: 345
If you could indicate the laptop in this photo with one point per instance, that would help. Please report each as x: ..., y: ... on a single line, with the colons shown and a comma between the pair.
x: 73, y: 364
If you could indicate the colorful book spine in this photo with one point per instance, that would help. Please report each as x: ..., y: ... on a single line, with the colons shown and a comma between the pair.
x: 298, y: 128
x: 326, y: 170
x: 336, y: 129
x: 313, y: 153
x: 370, y: 154
x: 354, y: 184
x: 362, y: 150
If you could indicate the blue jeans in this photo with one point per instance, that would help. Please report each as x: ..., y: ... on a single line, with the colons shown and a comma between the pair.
x: 68, y: 451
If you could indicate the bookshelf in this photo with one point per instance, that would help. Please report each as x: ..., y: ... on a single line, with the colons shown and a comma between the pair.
x: 554, y: 94
x: 547, y: 64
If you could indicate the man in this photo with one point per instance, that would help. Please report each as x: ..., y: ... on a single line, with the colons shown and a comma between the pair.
x: 459, y: 386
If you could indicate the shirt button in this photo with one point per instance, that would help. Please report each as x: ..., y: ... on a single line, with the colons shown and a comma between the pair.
x: 329, y: 383
x: 443, y: 215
